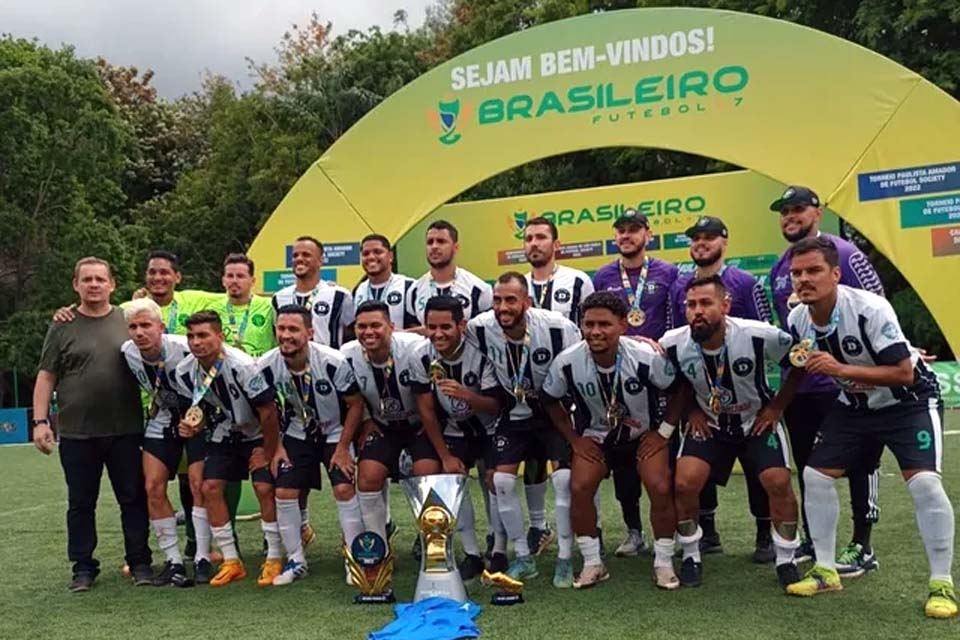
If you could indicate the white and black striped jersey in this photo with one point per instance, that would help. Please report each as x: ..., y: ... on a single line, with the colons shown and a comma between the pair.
x: 867, y: 334
x: 743, y: 389
x: 396, y: 293
x: 474, y: 294
x: 471, y: 369
x: 562, y: 292
x: 158, y: 381
x: 331, y: 305
x: 229, y: 405
x: 313, y: 401
x: 642, y: 375
x: 549, y: 333
x: 394, y: 390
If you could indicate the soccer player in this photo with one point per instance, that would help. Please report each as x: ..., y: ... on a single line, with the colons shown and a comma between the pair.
x: 644, y: 284
x: 521, y: 342
x: 458, y: 396
x: 616, y: 381
x: 381, y: 283
x: 708, y: 246
x: 800, y: 213
x: 320, y: 400
x: 888, y: 396
x: 224, y: 395
x: 153, y: 357
x: 331, y: 305
x: 247, y: 318
x: 723, y: 361
x: 445, y: 278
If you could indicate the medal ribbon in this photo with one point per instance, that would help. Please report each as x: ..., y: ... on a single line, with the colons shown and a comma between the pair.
x: 311, y: 297
x: 714, y: 384
x: 387, y: 372
x: 545, y: 287
x: 171, y: 326
x: 609, y: 397
x: 634, y: 296
x: 304, y: 393
x: 232, y: 321
x: 519, y: 368
x: 200, y: 390
x: 831, y: 328
x: 158, y: 378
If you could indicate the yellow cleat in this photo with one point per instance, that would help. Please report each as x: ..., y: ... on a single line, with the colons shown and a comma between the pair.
x: 307, y: 534
x: 270, y: 569
x: 819, y: 579
x: 230, y: 571
x: 942, y: 601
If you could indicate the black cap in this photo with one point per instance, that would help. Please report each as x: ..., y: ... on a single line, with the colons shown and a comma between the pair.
x: 708, y: 224
x: 795, y: 195
x: 631, y: 216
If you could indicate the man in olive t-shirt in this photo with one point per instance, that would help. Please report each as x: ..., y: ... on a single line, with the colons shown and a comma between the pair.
x: 100, y: 423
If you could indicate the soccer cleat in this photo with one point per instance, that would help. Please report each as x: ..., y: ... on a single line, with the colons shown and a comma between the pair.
x: 230, y: 571
x: 470, y: 567
x: 787, y: 574
x: 539, y: 539
x: 763, y: 552
x: 201, y: 571
x: 563, y: 574
x: 854, y: 561
x: 142, y: 575
x: 292, y: 571
x: 270, y: 569
x: 633, y: 545
x: 591, y: 575
x: 523, y: 569
x: 666, y: 578
x: 307, y: 534
x: 711, y: 543
x: 819, y: 579
x: 498, y: 563
x: 691, y: 573
x: 82, y: 581
x: 805, y: 552
x: 172, y: 574
x: 942, y: 601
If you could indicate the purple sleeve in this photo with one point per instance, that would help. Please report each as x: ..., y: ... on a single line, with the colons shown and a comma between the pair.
x: 856, y: 270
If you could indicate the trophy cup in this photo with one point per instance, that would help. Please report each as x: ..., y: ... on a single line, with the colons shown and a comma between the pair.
x: 435, y: 500
x: 370, y: 561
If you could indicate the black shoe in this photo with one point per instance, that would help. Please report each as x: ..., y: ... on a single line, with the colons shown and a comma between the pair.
x: 202, y: 571
x: 498, y: 563
x: 416, y: 551
x: 189, y: 550
x: 603, y: 548
x: 538, y: 540
x: 787, y: 574
x: 471, y: 567
x: 142, y: 575
x: 691, y: 573
x: 764, y: 551
x: 805, y: 553
x: 172, y: 574
x: 82, y: 581
x: 711, y: 543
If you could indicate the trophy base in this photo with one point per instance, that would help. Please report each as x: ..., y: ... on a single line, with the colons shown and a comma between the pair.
x: 446, y: 584
x: 506, y: 599
x: 374, y: 598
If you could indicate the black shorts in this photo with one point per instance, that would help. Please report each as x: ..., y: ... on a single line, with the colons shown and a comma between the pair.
x: 756, y: 453
x: 541, y: 442
x: 230, y: 461
x: 305, y: 460
x: 913, y: 433
x: 170, y: 451
x: 470, y: 450
x: 385, y: 447
x: 620, y: 454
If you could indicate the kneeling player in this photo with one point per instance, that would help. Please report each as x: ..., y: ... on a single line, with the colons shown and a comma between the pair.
x: 723, y: 360
x: 321, y: 400
x: 615, y: 383
x: 888, y: 397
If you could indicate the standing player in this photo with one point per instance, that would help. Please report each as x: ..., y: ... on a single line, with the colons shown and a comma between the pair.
x: 223, y: 394
x: 723, y: 360
x: 247, y: 318
x: 748, y: 300
x: 381, y: 283
x: 800, y: 215
x: 887, y: 396
x: 521, y: 343
x: 644, y: 284
x: 320, y: 400
x: 331, y: 305
x: 617, y: 382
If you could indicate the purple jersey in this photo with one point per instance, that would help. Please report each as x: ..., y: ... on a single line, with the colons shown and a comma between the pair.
x: 655, y: 301
x: 748, y: 300
x: 855, y: 271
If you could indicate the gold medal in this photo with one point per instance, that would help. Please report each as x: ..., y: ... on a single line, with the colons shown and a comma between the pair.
x: 437, y: 372
x: 716, y: 404
x: 793, y: 300
x: 193, y: 417
x: 614, y: 414
x: 800, y: 353
x: 636, y: 317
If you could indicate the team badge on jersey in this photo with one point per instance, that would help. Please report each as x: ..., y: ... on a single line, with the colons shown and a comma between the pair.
x: 323, y: 387
x: 851, y: 346
x: 394, y: 298
x: 541, y: 356
x: 743, y: 366
x: 321, y: 308
x: 470, y: 379
x: 632, y: 386
x: 562, y: 295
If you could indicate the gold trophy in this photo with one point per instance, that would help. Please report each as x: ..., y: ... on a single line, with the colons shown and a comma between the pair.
x: 370, y: 561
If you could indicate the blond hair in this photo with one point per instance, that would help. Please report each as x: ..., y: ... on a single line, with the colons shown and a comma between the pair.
x: 142, y: 305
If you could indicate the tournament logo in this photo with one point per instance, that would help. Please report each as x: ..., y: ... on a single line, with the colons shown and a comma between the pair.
x: 258, y: 383
x: 562, y: 295
x: 632, y: 386
x: 448, y: 116
x: 890, y: 331
x: 541, y: 356
x: 470, y: 379
x: 323, y: 387
x: 460, y: 408
x: 392, y: 406
x: 258, y: 320
x: 394, y: 298
x: 743, y: 366
x: 368, y: 549
x: 851, y: 346
x: 518, y: 224
x: 321, y: 308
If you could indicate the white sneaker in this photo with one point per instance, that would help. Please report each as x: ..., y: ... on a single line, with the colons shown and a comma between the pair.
x: 634, y: 544
x: 292, y: 571
x: 590, y: 576
x: 666, y: 578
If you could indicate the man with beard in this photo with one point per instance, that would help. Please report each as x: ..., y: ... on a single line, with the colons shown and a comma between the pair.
x: 521, y: 343
x: 321, y: 399
x: 800, y: 214
x: 644, y: 284
x: 381, y: 283
x: 331, y: 305
x: 748, y: 300
x: 247, y: 317
x: 723, y: 362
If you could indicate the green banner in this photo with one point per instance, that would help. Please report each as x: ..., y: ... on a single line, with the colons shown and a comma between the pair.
x: 948, y: 375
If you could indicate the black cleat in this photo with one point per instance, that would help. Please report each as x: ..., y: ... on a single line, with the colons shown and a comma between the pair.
x: 173, y: 575
x: 82, y: 581
x: 787, y: 574
x: 539, y: 539
x: 471, y: 567
x: 764, y: 553
x: 498, y: 563
x: 711, y: 543
x: 142, y: 575
x: 202, y: 571
x: 691, y: 573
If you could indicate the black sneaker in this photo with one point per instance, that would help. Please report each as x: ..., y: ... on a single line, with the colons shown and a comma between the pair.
x: 498, y: 563
x: 471, y: 567
x: 539, y: 539
x: 603, y: 549
x: 787, y: 574
x: 764, y: 551
x: 82, y: 581
x: 711, y: 543
x: 189, y: 550
x: 202, y: 571
x: 691, y: 573
x: 142, y: 575
x: 805, y: 553
x: 172, y: 574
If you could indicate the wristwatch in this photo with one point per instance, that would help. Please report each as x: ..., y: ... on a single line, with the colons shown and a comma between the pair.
x: 38, y: 421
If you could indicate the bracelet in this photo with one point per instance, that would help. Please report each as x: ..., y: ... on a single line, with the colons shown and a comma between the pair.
x: 38, y: 421
x: 666, y: 429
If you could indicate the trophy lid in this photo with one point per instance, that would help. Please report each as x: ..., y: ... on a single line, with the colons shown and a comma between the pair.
x: 440, y: 489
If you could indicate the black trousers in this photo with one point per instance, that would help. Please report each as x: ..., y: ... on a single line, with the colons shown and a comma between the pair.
x: 83, y: 462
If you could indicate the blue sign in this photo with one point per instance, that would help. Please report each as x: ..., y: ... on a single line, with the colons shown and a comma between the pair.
x: 13, y: 426
x: 653, y: 245
x: 334, y: 255
x: 911, y: 181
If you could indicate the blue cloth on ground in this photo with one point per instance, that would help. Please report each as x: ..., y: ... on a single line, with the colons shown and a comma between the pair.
x: 431, y: 619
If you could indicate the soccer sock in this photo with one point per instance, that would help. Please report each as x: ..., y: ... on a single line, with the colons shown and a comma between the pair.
x: 688, y: 535
x: 861, y: 534
x: 708, y: 522
x: 537, y: 504
x: 166, y: 530
x: 466, y: 526
x: 596, y: 505
x: 386, y: 500
x: 823, y: 509
x: 224, y: 537
x: 201, y: 528
x: 590, y: 550
x: 374, y: 512
x: 935, y: 520
x: 288, y: 521
x: 511, y: 512
x: 763, y: 525
x: 304, y: 516
x: 561, y: 489
x: 663, y: 552
x: 351, y: 520
x: 271, y: 533
x: 785, y: 547
x: 496, y: 524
